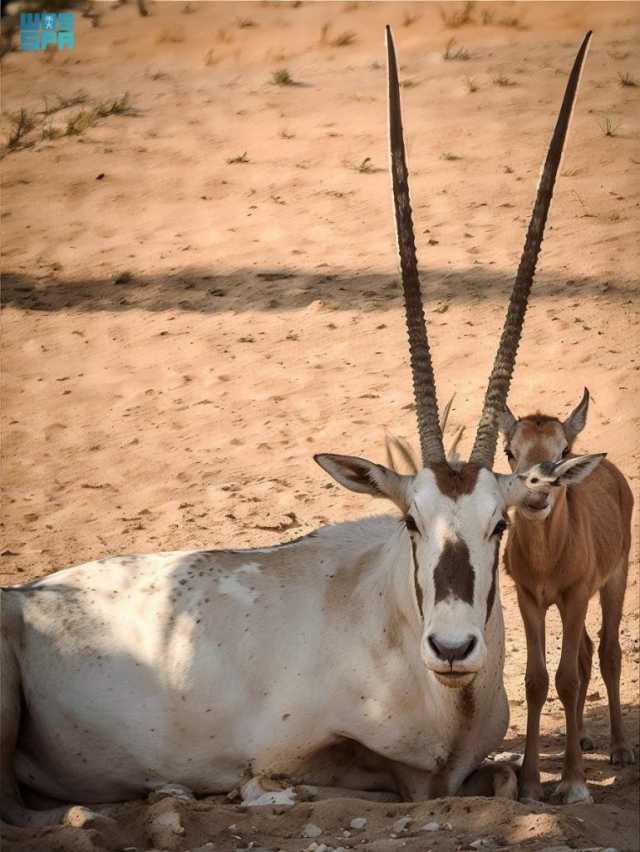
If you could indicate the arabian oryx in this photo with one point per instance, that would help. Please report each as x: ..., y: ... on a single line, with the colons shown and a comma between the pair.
x: 366, y: 655
x: 569, y: 540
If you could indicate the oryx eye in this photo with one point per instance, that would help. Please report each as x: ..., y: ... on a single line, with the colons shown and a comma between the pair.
x: 499, y: 528
x: 411, y: 524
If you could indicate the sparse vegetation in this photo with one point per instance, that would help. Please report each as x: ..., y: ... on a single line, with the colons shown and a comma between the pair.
x: 471, y: 85
x: 409, y: 18
x: 627, y: 79
x: 285, y: 134
x: 366, y: 167
x: 245, y: 23
x: 487, y: 17
x: 64, y: 103
x: 502, y: 80
x: 241, y: 158
x: 409, y: 84
x: 447, y: 155
x: 80, y: 121
x: 50, y: 132
x: 344, y: 39
x: 458, y: 18
x: 512, y: 21
x: 609, y: 125
x: 282, y: 77
x: 117, y: 106
x: 22, y: 122
x: 453, y: 53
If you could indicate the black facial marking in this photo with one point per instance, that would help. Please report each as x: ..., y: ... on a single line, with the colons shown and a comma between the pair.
x: 454, y: 573
x: 415, y: 576
x: 492, y: 591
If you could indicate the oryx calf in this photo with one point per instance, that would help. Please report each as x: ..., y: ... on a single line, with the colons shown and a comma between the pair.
x: 569, y: 540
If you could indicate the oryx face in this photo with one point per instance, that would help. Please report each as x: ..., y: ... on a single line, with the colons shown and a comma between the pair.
x: 453, y: 519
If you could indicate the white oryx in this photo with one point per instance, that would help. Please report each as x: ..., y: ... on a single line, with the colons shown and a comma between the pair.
x: 366, y: 655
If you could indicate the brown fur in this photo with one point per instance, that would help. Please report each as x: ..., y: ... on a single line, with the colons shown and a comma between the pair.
x: 581, y: 548
x: 454, y: 482
x: 453, y: 574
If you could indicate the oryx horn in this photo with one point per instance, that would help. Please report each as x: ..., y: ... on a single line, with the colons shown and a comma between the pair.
x: 484, y: 448
x: 424, y: 387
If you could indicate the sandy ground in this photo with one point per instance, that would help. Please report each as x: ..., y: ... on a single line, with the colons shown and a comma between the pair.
x: 181, y: 332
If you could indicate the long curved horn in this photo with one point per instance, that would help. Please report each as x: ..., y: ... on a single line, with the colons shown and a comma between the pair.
x: 484, y: 448
x: 424, y: 388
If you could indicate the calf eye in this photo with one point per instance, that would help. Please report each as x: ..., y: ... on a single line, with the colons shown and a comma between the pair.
x: 509, y: 454
x: 411, y: 524
x: 499, y: 528
x: 565, y: 452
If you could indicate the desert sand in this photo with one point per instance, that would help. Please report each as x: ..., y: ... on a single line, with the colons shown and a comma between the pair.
x: 201, y: 291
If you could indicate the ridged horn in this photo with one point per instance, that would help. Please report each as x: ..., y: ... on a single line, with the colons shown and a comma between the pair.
x: 484, y: 448
x: 424, y: 388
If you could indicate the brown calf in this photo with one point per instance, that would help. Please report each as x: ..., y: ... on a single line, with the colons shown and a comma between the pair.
x: 569, y: 541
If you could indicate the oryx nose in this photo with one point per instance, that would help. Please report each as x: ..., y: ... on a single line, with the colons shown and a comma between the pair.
x: 452, y: 653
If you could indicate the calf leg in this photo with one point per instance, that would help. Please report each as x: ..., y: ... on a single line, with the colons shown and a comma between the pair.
x: 584, y: 665
x: 573, y: 609
x: 537, y: 687
x: 492, y: 779
x: 611, y: 600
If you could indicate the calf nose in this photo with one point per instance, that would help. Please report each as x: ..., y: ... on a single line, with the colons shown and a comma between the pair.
x: 452, y: 653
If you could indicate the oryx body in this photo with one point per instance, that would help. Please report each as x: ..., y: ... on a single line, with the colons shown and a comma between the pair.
x: 208, y: 667
x: 367, y: 655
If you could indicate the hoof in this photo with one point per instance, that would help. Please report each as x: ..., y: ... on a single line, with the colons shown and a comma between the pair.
x: 531, y: 792
x: 505, y: 783
x: 586, y: 744
x: 622, y: 755
x: 265, y: 791
x: 571, y: 793
x: 80, y: 817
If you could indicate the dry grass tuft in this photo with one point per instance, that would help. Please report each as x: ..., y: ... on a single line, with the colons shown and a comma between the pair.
x: 22, y: 122
x: 458, y: 18
x: 609, y: 125
x: 245, y: 23
x: 447, y: 155
x: 502, y: 80
x: 627, y: 79
x: 409, y: 18
x: 453, y: 53
x: 282, y: 77
x: 471, y: 85
x: 170, y: 35
x: 241, y: 158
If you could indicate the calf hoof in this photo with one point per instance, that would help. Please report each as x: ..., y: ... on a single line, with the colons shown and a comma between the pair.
x: 571, y: 793
x: 622, y: 755
x: 586, y: 744
x: 531, y: 792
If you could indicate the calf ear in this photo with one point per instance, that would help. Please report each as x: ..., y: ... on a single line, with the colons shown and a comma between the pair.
x: 572, y: 471
x: 506, y: 422
x: 576, y: 421
x: 365, y: 477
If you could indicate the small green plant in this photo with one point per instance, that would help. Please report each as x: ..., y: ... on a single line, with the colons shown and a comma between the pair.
x: 458, y: 18
x: 241, y: 158
x: 447, y: 155
x: 22, y: 122
x: 627, y: 80
x: 609, y: 125
x: 502, y: 80
x: 282, y: 77
x: 453, y: 53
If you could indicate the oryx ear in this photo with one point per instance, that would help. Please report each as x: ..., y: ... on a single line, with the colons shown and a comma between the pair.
x: 365, y: 477
x: 506, y: 422
x: 512, y: 488
x: 576, y: 421
x: 572, y: 471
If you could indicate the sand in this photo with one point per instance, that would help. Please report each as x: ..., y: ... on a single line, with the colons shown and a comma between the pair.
x: 181, y: 332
